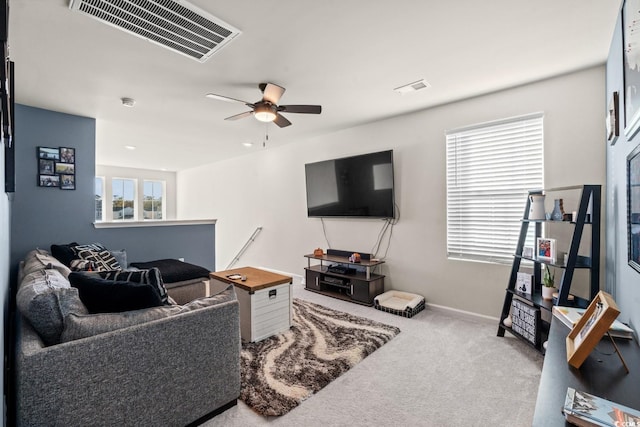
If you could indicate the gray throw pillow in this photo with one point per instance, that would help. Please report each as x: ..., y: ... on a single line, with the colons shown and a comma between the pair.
x: 45, y: 298
x: 39, y: 259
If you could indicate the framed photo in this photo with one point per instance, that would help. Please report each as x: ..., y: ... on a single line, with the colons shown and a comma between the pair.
x: 68, y: 155
x: 65, y: 168
x: 593, y: 324
x: 49, y: 180
x: 613, y: 129
x: 57, y: 167
x: 49, y: 153
x: 546, y: 249
x: 633, y: 207
x: 46, y: 167
x: 524, y: 283
x: 631, y: 55
x: 67, y: 182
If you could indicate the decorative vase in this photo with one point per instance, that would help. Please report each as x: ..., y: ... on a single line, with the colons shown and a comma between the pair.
x: 557, y: 213
x: 547, y: 293
x: 536, y: 206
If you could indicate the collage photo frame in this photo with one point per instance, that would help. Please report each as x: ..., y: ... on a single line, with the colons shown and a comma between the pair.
x: 57, y: 167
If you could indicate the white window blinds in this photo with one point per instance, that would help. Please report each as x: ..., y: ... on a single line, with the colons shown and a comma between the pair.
x: 490, y: 168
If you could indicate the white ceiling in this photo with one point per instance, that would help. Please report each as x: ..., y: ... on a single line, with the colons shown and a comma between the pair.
x: 347, y: 56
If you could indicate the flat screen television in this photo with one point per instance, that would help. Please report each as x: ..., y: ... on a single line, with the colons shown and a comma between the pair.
x: 357, y: 186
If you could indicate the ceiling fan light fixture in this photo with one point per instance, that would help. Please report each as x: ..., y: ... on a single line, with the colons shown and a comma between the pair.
x: 265, y: 113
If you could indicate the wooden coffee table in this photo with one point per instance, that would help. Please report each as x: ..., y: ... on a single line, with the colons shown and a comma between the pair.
x: 265, y: 300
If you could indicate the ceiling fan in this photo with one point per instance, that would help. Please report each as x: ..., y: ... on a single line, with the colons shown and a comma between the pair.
x: 267, y: 109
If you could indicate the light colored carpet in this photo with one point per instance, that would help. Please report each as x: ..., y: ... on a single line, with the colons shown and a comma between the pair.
x: 441, y: 370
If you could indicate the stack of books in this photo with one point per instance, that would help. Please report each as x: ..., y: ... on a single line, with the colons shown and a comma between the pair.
x: 570, y: 316
x: 586, y: 410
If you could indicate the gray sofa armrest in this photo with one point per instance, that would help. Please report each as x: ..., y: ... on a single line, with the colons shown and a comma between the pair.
x: 170, y: 371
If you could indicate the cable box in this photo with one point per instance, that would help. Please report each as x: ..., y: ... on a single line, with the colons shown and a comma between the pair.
x: 340, y: 269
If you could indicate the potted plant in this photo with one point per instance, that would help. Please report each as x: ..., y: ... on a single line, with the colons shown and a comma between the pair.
x: 548, y: 282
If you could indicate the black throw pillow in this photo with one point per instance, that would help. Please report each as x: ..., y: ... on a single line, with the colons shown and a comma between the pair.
x: 107, y: 296
x: 64, y: 253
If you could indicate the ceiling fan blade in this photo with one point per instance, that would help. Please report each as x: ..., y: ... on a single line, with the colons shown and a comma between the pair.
x: 272, y: 93
x: 240, y: 116
x: 281, y: 121
x: 306, y: 109
x: 228, y: 99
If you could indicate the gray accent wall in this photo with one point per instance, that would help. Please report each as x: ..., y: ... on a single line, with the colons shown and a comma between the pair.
x: 622, y: 281
x: 42, y: 216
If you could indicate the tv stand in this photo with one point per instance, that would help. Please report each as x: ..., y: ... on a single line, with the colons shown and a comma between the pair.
x: 360, y: 283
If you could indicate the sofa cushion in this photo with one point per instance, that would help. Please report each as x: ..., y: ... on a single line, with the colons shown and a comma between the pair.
x: 174, y: 270
x: 121, y: 256
x: 103, y: 296
x: 45, y: 298
x: 101, y: 258
x: 79, y: 326
x: 39, y: 259
x: 64, y: 252
x: 151, y: 277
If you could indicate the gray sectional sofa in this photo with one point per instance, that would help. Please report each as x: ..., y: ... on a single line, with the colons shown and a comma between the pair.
x: 169, y: 365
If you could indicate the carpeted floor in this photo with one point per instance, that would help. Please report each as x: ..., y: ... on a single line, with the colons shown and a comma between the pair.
x: 442, y: 370
x: 280, y: 372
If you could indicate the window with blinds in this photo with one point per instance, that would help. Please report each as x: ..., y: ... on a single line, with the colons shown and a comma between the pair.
x: 490, y: 168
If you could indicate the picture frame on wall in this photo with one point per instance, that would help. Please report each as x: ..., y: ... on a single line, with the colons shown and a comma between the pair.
x: 631, y: 67
x: 67, y: 182
x: 612, y: 119
x: 57, y: 167
x: 49, y: 153
x: 633, y: 208
x: 48, y: 180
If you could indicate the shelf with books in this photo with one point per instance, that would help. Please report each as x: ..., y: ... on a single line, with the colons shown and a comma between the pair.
x: 581, y: 237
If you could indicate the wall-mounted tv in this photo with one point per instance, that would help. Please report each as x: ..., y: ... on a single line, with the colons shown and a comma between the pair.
x: 357, y: 186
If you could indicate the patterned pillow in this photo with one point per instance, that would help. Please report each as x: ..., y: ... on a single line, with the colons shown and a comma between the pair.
x: 151, y: 277
x: 100, y: 256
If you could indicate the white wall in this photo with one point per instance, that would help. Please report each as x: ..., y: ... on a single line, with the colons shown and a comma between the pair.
x: 140, y: 175
x: 267, y: 189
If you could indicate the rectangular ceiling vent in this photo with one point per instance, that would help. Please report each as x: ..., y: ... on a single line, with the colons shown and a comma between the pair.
x: 176, y: 25
x: 413, y: 87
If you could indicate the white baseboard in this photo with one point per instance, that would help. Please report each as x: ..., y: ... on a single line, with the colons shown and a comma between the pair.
x: 463, y: 313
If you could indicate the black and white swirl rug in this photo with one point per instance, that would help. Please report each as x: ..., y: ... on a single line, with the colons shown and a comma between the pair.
x: 278, y: 373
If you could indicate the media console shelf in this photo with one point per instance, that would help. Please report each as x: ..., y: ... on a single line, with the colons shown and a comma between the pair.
x: 359, y: 284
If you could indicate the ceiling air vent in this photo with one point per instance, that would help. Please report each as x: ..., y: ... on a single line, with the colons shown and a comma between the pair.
x: 413, y: 87
x: 176, y: 25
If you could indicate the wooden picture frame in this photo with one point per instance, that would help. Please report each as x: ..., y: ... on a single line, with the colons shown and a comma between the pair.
x: 546, y: 249
x: 591, y: 327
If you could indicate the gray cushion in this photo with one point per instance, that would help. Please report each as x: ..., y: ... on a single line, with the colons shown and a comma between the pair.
x: 39, y: 259
x: 45, y: 298
x: 78, y: 326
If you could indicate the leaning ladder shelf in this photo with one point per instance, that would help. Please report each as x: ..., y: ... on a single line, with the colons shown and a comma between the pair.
x: 590, y: 199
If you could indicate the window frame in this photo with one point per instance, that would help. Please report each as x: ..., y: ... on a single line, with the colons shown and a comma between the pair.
x: 163, y: 191
x: 135, y: 199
